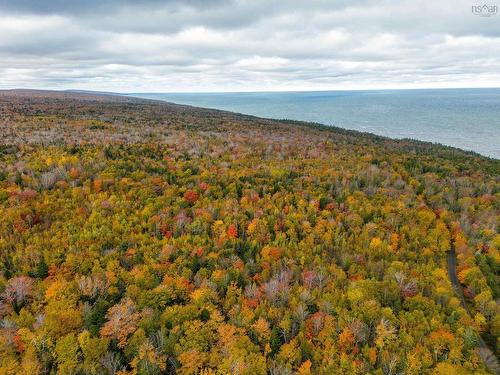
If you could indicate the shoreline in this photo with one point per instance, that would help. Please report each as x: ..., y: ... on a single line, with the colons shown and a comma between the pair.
x: 309, y: 124
x: 246, y: 103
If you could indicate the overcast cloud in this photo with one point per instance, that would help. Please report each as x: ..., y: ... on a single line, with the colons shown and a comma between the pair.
x: 196, y: 45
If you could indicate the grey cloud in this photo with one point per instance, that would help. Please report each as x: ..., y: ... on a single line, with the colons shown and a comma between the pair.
x: 244, y: 45
x: 78, y: 7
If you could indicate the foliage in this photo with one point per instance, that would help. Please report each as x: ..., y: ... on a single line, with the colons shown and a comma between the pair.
x: 143, y: 238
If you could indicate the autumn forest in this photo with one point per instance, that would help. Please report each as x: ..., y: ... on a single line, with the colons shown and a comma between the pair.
x: 141, y: 237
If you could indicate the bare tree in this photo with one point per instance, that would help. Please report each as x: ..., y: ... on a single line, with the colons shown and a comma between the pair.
x: 17, y: 291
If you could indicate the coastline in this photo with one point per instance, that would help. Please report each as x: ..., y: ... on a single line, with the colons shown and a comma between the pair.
x: 452, y: 117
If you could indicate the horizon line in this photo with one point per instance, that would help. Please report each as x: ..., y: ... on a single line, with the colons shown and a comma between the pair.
x: 246, y: 91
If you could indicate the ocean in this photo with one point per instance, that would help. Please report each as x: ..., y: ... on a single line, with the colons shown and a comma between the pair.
x: 465, y: 118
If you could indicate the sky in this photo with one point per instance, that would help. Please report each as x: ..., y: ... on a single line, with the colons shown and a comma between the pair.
x: 254, y: 45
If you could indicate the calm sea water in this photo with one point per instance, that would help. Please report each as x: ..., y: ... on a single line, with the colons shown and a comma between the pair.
x: 464, y: 118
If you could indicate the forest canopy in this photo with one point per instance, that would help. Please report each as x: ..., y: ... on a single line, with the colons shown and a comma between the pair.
x: 140, y: 237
